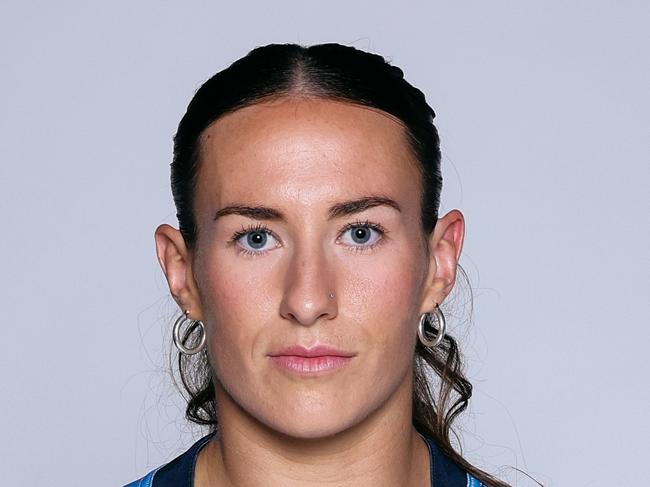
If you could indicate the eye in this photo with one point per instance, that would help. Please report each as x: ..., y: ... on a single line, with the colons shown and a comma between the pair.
x: 256, y: 239
x: 362, y: 235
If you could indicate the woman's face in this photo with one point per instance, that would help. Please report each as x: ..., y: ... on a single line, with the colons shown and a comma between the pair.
x: 308, y: 216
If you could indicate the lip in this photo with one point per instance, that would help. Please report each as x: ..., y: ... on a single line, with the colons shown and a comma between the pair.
x: 317, y: 351
x: 309, y: 361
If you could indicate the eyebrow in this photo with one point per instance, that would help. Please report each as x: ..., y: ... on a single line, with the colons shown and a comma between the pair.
x: 344, y: 208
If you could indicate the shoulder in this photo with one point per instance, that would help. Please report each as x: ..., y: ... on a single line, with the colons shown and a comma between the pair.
x: 446, y: 472
x: 145, y: 481
x: 177, y: 473
x: 473, y: 482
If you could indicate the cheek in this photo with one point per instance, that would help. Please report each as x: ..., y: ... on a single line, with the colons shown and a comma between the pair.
x: 238, y: 305
x: 382, y: 297
x: 233, y: 287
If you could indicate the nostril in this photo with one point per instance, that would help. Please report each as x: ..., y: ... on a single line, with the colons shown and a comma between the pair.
x: 305, y: 310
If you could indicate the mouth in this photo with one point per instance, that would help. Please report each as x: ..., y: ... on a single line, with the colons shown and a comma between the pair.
x: 310, y: 361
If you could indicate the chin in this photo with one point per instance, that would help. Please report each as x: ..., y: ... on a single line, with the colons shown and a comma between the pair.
x: 319, y: 416
x: 311, y: 427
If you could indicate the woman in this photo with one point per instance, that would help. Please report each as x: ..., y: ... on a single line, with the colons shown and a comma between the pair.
x: 309, y: 266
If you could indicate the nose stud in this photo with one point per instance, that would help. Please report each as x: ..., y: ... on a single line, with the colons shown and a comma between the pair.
x: 331, y: 295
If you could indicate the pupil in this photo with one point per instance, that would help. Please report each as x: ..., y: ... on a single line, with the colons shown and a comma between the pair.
x: 256, y: 240
x: 360, y: 235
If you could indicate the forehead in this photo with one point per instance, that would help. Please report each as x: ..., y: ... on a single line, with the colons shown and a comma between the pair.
x: 306, y: 149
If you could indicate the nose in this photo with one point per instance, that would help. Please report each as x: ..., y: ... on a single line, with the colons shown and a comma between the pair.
x: 309, y: 294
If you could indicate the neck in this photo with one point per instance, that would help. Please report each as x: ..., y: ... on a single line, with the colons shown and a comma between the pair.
x: 383, y: 449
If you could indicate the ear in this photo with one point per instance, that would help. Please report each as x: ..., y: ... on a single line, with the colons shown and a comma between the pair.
x: 445, y: 245
x: 176, y: 262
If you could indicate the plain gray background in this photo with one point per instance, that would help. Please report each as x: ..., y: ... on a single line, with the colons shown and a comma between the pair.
x: 543, y: 113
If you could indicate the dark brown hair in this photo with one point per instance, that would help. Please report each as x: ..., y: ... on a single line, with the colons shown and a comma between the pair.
x: 343, y: 73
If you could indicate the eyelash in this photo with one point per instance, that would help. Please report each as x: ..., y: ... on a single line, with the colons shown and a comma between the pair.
x: 261, y: 228
x: 245, y: 230
x: 368, y: 224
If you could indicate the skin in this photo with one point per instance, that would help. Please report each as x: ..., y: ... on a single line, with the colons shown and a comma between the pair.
x: 301, y: 156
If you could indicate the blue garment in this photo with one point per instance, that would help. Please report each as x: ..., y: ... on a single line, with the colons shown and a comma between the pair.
x: 180, y: 471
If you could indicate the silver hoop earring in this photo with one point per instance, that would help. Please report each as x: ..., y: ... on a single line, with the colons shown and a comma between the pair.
x: 427, y: 318
x: 178, y: 342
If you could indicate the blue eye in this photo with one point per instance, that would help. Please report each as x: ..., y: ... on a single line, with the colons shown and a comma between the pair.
x: 258, y: 239
x: 362, y: 235
x: 255, y: 240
